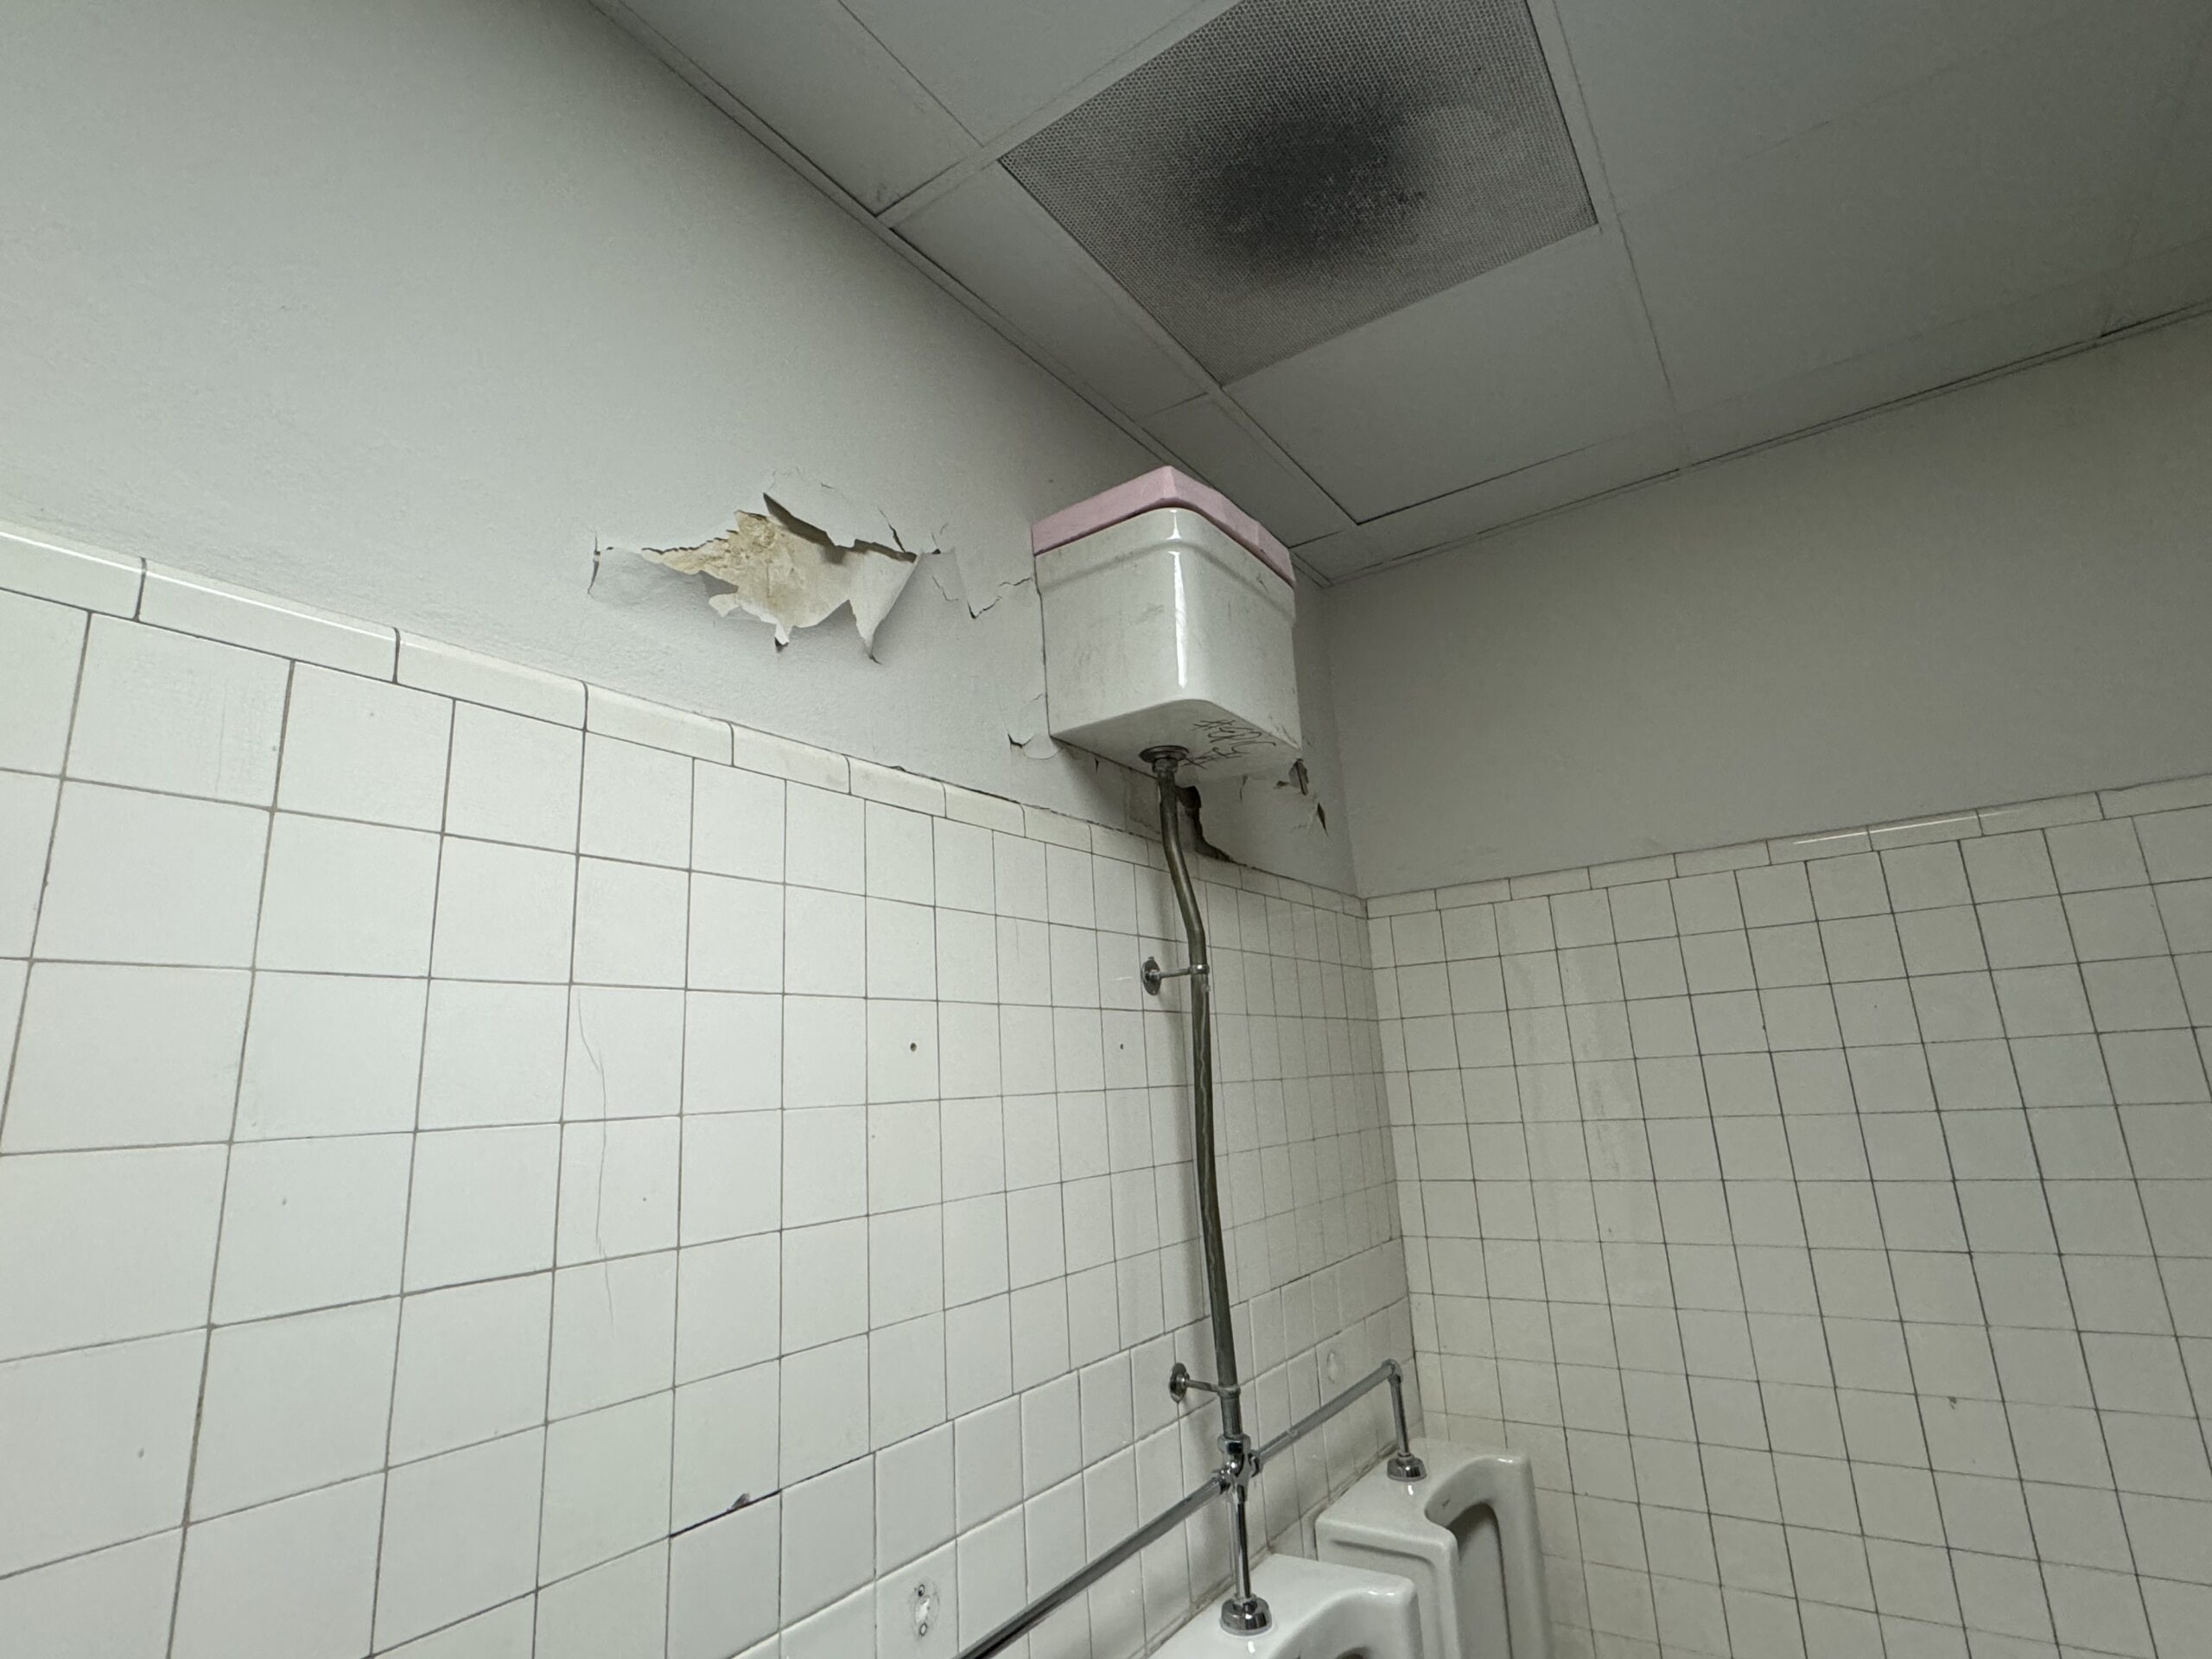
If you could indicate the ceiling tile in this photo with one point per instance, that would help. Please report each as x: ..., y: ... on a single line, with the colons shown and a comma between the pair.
x: 1678, y: 89
x: 1977, y: 188
x: 1958, y: 351
x: 1296, y: 168
x: 990, y: 235
x: 2180, y: 206
x: 2163, y: 283
x: 991, y: 62
x: 1211, y: 442
x: 1535, y: 358
x: 1609, y: 466
x: 824, y: 83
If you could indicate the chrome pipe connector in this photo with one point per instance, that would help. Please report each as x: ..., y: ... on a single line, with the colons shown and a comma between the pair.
x: 1154, y: 976
x: 1181, y: 1382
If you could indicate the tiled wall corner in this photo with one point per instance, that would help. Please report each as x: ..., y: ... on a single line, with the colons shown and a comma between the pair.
x: 1832, y: 1219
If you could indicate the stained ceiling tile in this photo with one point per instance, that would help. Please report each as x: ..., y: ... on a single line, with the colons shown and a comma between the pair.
x: 1678, y: 89
x: 828, y: 89
x: 989, y: 235
x: 1534, y: 359
x: 992, y: 62
x: 1974, y: 189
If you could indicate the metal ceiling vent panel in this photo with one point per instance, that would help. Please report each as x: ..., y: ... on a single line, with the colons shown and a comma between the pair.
x: 1296, y: 167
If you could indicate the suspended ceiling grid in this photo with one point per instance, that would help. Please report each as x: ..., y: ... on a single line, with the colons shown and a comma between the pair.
x: 1802, y: 211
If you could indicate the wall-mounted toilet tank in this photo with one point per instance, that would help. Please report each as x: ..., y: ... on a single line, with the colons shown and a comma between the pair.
x: 1167, y: 624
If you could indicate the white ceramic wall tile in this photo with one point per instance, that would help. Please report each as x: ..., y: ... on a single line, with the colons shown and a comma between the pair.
x: 656, y: 725
x: 472, y: 1364
x: 27, y: 816
x: 362, y: 748
x: 606, y: 1484
x: 460, y: 1535
x: 723, y: 1584
x: 292, y: 1404
x: 737, y: 823
x: 825, y: 840
x: 613, y: 1332
x: 483, y: 1204
x: 330, y: 1054
x: 503, y: 913
x: 296, y: 1578
x: 492, y: 1054
x: 592, y: 1131
x: 637, y: 802
x: 125, y: 1056
x: 468, y: 678
x: 40, y: 645
x: 75, y: 1483
x: 895, y: 788
x: 778, y: 757
x: 617, y: 1611
x: 135, y: 877
x: 312, y: 1223
x: 79, y: 576
x: 101, y: 1246
x: 110, y: 1601
x: 347, y: 898
x: 513, y: 778
x: 631, y: 923
x: 164, y: 711
x: 216, y: 610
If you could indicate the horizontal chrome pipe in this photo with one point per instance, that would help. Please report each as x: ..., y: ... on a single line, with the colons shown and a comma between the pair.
x: 1403, y: 1465
x: 1080, y: 1580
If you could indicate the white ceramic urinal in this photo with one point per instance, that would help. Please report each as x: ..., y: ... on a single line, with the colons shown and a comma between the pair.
x: 1466, y: 1536
x: 1321, y: 1611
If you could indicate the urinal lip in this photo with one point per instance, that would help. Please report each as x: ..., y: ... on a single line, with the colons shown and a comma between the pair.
x: 1379, y: 1506
x: 1300, y: 1588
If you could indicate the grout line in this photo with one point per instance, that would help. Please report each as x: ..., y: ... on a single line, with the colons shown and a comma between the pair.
x: 223, y: 1199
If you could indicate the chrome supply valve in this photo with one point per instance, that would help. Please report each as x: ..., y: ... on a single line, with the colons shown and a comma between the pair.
x: 1245, y: 1611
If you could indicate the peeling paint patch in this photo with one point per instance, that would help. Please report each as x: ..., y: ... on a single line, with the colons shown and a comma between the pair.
x: 953, y: 584
x: 790, y: 574
x: 1029, y: 733
x: 1300, y: 779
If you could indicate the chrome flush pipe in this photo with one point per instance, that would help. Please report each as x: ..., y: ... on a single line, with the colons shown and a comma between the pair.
x: 1243, y: 1613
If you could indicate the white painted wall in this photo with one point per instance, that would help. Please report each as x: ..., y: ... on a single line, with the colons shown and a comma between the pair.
x: 2001, y: 594
x: 402, y: 308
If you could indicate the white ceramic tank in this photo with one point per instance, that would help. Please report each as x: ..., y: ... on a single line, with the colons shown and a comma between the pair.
x: 1466, y: 1536
x: 1162, y: 629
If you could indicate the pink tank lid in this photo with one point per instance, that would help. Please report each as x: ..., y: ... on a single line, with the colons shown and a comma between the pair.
x: 1163, y: 487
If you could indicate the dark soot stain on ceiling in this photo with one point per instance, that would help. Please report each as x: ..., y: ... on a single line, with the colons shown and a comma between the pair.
x: 1297, y: 168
